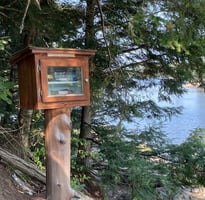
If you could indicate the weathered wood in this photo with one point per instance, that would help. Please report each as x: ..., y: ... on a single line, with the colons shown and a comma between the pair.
x: 27, y: 168
x: 57, y: 140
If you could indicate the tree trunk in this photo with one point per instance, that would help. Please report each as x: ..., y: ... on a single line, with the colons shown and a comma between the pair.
x: 25, y: 118
x: 25, y: 115
x: 85, y: 130
x: 86, y: 110
x: 84, y: 134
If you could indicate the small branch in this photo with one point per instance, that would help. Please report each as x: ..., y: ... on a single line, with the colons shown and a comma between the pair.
x: 24, y: 16
x: 94, y: 141
x: 103, y: 29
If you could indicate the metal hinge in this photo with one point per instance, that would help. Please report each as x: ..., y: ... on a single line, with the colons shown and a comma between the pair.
x: 38, y: 66
x: 40, y: 93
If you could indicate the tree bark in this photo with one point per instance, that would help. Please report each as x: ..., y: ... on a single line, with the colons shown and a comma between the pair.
x: 84, y: 134
x: 25, y: 117
x: 85, y: 130
x: 86, y: 110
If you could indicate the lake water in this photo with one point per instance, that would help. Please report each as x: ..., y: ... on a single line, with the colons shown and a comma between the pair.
x: 193, y: 116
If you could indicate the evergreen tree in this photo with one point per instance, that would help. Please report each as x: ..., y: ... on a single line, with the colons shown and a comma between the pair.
x: 141, y: 46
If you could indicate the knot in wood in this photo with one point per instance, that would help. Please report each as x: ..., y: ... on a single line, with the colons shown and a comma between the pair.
x: 61, y: 137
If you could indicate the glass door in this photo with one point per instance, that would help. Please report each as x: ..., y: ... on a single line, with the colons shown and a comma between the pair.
x: 64, y: 80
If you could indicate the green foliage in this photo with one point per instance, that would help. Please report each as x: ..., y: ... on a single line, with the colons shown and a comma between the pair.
x: 76, y: 184
x: 78, y: 172
x: 189, y: 158
x: 3, y: 42
x: 37, y: 139
x: 5, y: 85
x: 39, y: 156
x: 170, y: 37
x: 135, y: 164
x: 146, y: 165
x: 5, y: 90
x: 38, y: 148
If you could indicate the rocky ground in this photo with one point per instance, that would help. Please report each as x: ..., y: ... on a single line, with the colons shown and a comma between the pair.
x: 192, y: 194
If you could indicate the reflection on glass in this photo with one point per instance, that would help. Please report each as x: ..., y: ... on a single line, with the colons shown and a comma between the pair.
x: 63, y: 81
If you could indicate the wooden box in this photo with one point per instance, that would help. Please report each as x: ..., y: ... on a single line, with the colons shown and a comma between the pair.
x: 53, y: 78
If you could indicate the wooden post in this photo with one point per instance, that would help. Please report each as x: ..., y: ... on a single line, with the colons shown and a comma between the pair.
x: 58, y: 151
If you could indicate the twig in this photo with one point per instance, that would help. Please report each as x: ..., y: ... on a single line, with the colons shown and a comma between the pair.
x: 24, y: 16
x: 103, y: 30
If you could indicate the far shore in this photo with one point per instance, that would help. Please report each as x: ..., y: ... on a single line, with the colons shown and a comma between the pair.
x: 192, y: 85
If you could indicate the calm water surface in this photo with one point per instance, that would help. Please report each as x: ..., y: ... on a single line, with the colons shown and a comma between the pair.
x: 192, y: 117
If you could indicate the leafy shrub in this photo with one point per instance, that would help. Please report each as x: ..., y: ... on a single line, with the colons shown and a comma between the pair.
x: 5, y: 93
